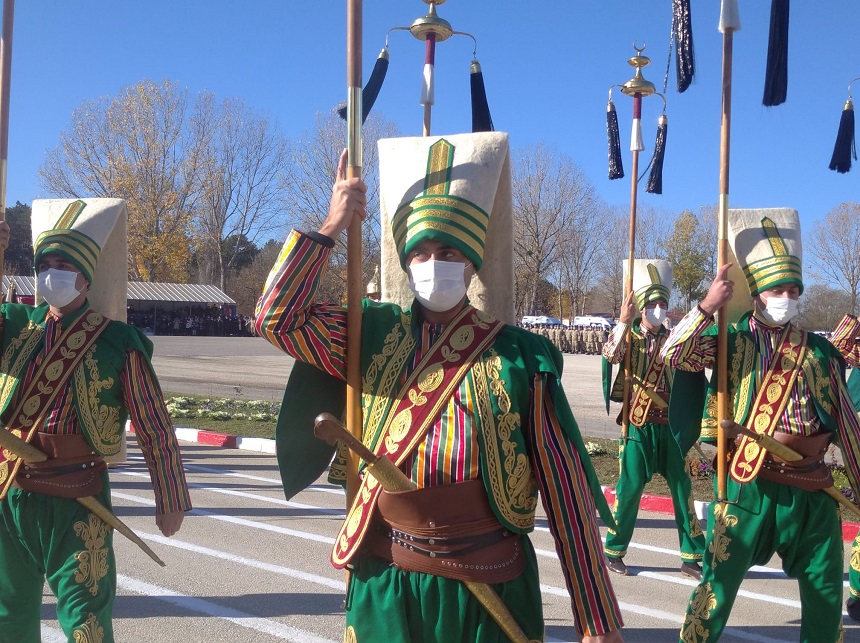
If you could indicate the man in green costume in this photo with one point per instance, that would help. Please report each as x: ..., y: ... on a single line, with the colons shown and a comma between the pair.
x: 783, y: 382
x: 649, y: 447
x: 846, y: 337
x: 70, y: 377
x: 471, y: 409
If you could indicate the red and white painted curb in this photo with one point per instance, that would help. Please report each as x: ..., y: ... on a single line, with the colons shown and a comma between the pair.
x: 658, y: 504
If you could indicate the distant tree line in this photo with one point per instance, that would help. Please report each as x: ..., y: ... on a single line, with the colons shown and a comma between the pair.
x: 213, y: 186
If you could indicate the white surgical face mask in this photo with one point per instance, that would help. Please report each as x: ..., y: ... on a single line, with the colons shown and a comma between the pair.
x: 438, y: 285
x: 779, y: 310
x: 655, y: 316
x: 58, y: 287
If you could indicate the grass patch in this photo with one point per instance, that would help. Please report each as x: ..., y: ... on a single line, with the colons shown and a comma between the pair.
x: 247, y: 418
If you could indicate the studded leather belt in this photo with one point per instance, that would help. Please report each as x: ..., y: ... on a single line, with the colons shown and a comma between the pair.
x: 73, y: 469
x: 449, y: 530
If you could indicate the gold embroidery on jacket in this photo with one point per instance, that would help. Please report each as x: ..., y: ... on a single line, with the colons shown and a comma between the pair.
x: 92, y: 561
x: 398, y: 347
x: 349, y: 635
x: 819, y: 382
x: 855, y: 555
x: 511, y: 481
x: 89, y: 632
x: 720, y: 542
x: 701, y: 604
x: 695, y: 525
x: 100, y: 421
x: 29, y: 338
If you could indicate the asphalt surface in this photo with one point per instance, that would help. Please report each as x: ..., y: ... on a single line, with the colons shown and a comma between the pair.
x: 248, y: 565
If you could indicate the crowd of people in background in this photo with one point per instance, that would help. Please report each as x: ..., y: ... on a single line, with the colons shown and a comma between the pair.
x: 585, y: 340
x: 196, y: 321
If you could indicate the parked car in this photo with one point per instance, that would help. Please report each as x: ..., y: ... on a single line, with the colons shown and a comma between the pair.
x: 593, y: 320
x: 540, y: 320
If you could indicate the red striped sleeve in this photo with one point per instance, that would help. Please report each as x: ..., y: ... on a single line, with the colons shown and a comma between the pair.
x: 155, y: 434
x: 287, y: 315
x: 571, y: 514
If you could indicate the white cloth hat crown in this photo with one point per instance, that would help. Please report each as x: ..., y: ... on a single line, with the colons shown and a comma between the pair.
x: 768, y: 247
x: 652, y: 280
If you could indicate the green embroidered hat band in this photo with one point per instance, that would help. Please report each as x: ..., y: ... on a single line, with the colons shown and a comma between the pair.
x: 652, y: 281
x: 768, y: 247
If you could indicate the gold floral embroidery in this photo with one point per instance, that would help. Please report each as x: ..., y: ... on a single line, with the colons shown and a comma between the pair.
x: 398, y: 347
x: 93, y: 560
x: 349, y: 635
x: 89, y: 632
x: 695, y: 526
x: 30, y: 337
x: 515, y: 490
x: 100, y: 420
x: 720, y: 542
x: 701, y: 604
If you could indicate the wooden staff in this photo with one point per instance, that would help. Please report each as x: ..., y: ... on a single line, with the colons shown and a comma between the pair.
x: 728, y: 25
x: 5, y: 87
x: 631, y: 253
x: 353, y: 241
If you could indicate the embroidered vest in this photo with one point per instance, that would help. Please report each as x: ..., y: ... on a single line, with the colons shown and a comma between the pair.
x: 388, y: 347
x: 742, y: 360
x: 643, y: 368
x: 96, y: 384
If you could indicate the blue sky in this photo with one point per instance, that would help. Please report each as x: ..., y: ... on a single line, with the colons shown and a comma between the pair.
x: 547, y: 66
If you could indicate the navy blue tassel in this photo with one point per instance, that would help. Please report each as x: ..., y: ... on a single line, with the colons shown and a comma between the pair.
x: 682, y: 26
x: 616, y: 170
x: 481, y: 119
x: 372, y: 88
x: 776, y: 72
x: 845, y: 148
x: 655, y: 179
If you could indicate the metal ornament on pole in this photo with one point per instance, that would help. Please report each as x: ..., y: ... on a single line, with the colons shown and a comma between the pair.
x: 637, y: 88
x: 431, y: 29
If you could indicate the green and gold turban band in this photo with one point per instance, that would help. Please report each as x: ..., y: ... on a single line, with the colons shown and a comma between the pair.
x: 438, y: 214
x: 652, y: 281
x: 67, y: 242
x: 768, y: 247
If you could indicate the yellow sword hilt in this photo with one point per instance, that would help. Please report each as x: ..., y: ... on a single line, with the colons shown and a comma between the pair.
x: 28, y: 453
x: 733, y: 429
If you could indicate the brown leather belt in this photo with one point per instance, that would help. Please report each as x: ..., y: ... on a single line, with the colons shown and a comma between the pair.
x: 448, y: 530
x: 73, y: 469
x: 810, y: 473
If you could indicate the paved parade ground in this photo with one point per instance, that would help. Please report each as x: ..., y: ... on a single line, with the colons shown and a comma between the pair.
x: 250, y: 566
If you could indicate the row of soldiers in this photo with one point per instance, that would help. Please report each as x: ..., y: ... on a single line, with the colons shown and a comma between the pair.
x: 584, y: 340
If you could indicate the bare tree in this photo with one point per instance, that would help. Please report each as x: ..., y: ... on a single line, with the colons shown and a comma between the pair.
x: 242, y: 194
x: 308, y: 183
x: 822, y: 308
x: 554, y: 220
x: 135, y: 146
x: 835, y: 250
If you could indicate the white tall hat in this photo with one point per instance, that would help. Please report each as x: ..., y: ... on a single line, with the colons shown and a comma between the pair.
x: 455, y: 189
x: 92, y: 234
x: 767, y: 246
x: 652, y: 280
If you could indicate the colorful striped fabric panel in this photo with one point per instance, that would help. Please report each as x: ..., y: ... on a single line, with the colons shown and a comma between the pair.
x: 155, y: 434
x: 570, y: 510
x: 287, y: 315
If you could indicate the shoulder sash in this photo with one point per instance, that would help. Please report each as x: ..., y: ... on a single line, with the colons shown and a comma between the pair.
x: 653, y: 374
x: 416, y: 407
x: 770, y: 402
x: 47, y: 383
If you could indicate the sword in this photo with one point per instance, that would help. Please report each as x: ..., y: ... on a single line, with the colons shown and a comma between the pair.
x: 733, y: 429
x: 28, y: 453
x: 326, y: 427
